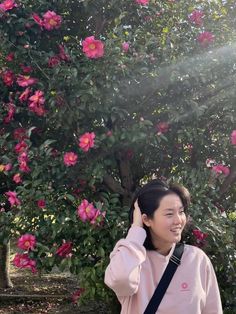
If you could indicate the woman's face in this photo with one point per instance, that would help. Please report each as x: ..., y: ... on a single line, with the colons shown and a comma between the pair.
x: 168, y: 221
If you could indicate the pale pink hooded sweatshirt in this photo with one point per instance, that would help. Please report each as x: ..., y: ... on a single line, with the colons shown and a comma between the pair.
x: 133, y: 274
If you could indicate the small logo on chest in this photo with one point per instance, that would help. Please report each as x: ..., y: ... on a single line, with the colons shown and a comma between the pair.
x: 184, y: 286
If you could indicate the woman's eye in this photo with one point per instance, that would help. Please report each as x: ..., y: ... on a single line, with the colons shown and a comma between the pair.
x: 169, y: 214
x: 182, y: 212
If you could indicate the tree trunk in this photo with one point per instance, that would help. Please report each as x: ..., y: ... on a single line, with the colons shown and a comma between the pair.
x: 5, y: 281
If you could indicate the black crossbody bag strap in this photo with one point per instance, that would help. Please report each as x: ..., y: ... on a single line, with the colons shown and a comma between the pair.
x: 161, y: 288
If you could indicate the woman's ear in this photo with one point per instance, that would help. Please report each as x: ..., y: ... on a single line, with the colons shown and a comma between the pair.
x: 146, y: 220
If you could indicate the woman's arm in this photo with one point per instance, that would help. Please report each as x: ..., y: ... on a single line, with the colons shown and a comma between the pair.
x: 123, y: 273
x: 213, y: 301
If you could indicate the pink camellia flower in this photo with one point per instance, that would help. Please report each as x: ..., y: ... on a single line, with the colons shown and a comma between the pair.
x: 37, y: 19
x: 26, y: 68
x: 25, y: 95
x: 10, y: 113
x: 26, y: 242
x: 41, y: 203
x: 200, y: 237
x: 53, y: 61
x: 70, y: 159
x: 12, y: 198
x: 205, y: 38
x: 98, y: 218
x: 25, y: 80
x: 162, y: 127
x: 38, y: 109
x: 65, y: 250
x: 233, y: 137
x: 7, y: 167
x: 10, y: 57
x: 24, y: 167
x: 51, y: 20
x: 221, y: 169
x: 142, y: 2
x: 196, y: 17
x: 86, y: 211
x: 23, y: 261
x: 38, y: 98
x: 93, y: 48
x: 87, y: 141
x: 7, y: 5
x: 199, y: 234
x: 8, y: 77
x: 76, y: 295
x: 20, y: 134
x: 17, y: 178
x: 62, y: 54
x: 21, y: 147
x: 125, y: 46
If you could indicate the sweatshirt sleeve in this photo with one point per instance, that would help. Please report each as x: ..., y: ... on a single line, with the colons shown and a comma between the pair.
x: 213, y: 300
x: 123, y: 272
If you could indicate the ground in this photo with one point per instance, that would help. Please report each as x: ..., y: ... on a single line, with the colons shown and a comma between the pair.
x: 36, y: 294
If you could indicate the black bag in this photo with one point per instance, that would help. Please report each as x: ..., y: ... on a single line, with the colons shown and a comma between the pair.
x: 161, y: 288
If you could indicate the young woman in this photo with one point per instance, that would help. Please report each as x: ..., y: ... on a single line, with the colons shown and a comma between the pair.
x: 137, y: 262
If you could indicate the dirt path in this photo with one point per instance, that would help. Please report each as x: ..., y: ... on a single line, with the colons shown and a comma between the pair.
x: 43, y: 294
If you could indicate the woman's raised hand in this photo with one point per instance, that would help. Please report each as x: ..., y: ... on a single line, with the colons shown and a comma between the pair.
x: 137, y: 215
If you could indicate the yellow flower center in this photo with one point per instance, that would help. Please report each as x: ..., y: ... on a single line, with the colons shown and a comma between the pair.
x: 52, y: 22
x: 92, y: 46
x: 87, y: 210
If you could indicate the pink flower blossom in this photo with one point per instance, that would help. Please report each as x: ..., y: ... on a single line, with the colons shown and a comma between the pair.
x: 37, y: 19
x: 196, y: 17
x: 23, y: 261
x: 77, y: 294
x: 51, y: 20
x: 86, y: 211
x: 65, y: 250
x: 26, y: 242
x: 142, y: 2
x: 20, y: 134
x: 162, y: 127
x: 38, y: 98
x: 53, y: 61
x: 200, y: 237
x: 26, y: 68
x: 62, y: 54
x: 199, y: 234
x: 233, y: 137
x: 70, y: 159
x: 205, y: 38
x: 24, y: 167
x: 7, y: 5
x: 25, y: 80
x: 17, y: 178
x: 10, y: 57
x: 221, y: 169
x: 38, y: 109
x: 98, y: 217
x: 87, y: 141
x: 8, y: 77
x: 12, y: 198
x: 41, y: 203
x: 8, y: 167
x: 10, y: 113
x: 21, y: 147
x: 25, y: 95
x: 93, y: 48
x: 125, y: 46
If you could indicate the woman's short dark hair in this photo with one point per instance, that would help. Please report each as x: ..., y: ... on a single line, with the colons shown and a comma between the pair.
x: 149, y: 197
